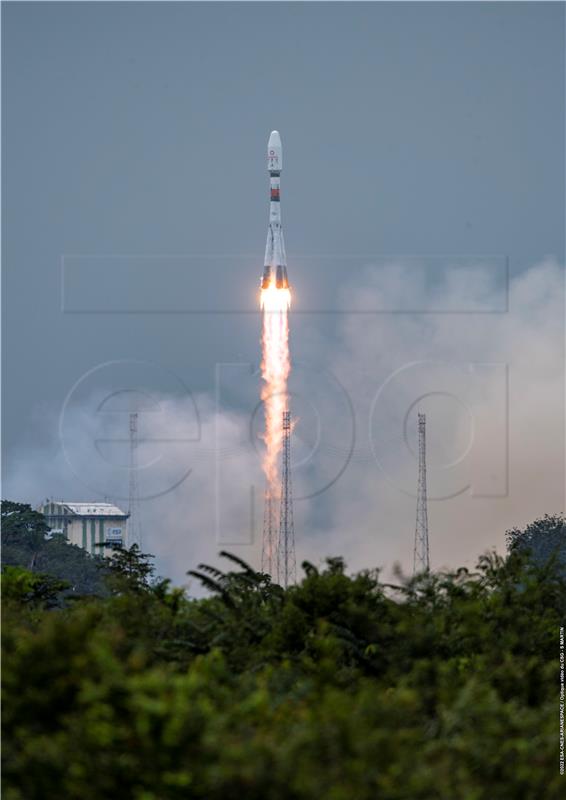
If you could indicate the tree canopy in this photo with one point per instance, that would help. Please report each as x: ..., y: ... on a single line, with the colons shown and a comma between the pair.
x: 25, y: 544
x: 544, y: 539
x: 343, y: 686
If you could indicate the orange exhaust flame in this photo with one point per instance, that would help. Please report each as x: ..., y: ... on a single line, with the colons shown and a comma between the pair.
x: 275, y: 369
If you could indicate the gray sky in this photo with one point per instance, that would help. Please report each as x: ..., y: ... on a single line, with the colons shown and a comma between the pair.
x: 139, y: 130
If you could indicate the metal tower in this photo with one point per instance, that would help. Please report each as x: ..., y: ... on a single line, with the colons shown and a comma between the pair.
x: 421, y: 562
x: 134, y: 527
x: 286, y: 546
x: 269, y: 542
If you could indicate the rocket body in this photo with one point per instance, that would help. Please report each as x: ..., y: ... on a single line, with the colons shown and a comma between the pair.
x: 275, y: 262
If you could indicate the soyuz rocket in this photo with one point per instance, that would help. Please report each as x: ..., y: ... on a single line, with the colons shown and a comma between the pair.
x: 275, y: 259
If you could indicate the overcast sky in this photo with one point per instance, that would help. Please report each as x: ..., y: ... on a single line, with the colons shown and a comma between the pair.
x: 134, y: 180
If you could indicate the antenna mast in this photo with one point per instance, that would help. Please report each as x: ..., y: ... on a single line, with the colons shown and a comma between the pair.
x: 134, y: 528
x: 421, y: 559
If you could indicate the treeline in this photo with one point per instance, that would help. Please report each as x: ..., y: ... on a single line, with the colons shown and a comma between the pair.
x: 27, y: 542
x: 342, y: 687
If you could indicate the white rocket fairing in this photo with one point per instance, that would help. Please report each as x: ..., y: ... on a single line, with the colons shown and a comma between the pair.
x: 275, y: 259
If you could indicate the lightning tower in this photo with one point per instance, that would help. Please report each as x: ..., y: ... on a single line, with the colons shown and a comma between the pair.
x: 421, y: 562
x: 286, y: 545
x: 134, y: 528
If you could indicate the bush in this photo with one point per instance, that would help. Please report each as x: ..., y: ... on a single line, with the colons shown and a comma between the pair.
x: 340, y: 687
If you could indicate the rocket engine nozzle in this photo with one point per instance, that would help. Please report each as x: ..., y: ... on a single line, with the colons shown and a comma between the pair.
x: 281, y: 281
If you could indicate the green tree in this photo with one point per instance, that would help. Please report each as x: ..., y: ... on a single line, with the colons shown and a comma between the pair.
x: 543, y: 539
x: 24, y: 544
x: 22, y: 587
x: 441, y: 686
x: 23, y: 532
x: 129, y: 570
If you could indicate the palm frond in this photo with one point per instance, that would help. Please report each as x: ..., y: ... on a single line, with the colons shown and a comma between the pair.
x: 213, y: 585
x: 240, y: 561
x: 217, y: 573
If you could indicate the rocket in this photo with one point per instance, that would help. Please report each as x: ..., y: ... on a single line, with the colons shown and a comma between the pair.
x: 275, y: 259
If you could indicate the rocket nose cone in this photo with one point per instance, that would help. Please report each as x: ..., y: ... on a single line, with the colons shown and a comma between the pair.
x: 274, y: 139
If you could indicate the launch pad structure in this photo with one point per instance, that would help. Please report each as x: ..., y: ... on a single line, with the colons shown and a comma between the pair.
x: 287, y: 567
x: 269, y: 541
x: 278, y: 544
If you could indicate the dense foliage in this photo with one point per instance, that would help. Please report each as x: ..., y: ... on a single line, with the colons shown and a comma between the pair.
x: 24, y: 544
x: 343, y: 688
x: 544, y: 539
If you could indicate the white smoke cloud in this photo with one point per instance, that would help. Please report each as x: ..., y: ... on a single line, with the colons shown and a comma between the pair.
x: 491, y: 384
x: 494, y: 381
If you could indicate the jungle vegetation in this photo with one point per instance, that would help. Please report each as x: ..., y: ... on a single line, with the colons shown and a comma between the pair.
x: 439, y: 687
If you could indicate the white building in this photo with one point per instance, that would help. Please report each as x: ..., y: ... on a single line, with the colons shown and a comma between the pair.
x: 87, y: 525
